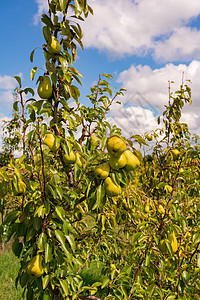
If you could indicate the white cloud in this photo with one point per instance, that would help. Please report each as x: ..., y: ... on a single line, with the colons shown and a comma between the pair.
x: 147, y: 93
x: 132, y: 119
x: 183, y: 44
x: 7, y: 82
x: 42, y: 8
x: 132, y: 27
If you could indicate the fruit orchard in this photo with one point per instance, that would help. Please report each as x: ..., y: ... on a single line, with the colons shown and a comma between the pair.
x: 91, y: 217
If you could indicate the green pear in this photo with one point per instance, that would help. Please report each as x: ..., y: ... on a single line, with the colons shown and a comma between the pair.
x: 116, y: 146
x: 102, y: 171
x: 45, y: 88
x: 117, y: 163
x: 54, y: 46
x: 3, y: 188
x: 132, y: 161
x: 21, y: 189
x: 79, y: 160
x: 35, y: 266
x: 50, y: 141
x: 111, y: 189
x: 69, y: 159
x: 94, y: 140
x: 162, y: 246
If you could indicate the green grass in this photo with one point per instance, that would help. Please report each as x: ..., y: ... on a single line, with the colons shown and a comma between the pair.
x: 9, y: 265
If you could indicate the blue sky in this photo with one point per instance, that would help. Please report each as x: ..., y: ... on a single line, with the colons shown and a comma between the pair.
x: 142, y: 43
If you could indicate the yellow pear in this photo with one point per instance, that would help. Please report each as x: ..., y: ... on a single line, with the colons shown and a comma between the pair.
x: 173, y: 241
x: 175, y: 153
x: 111, y: 188
x: 69, y: 159
x: 149, y: 137
x: 161, y: 210
x: 35, y: 266
x: 45, y: 88
x: 117, y: 163
x: 102, y: 171
x: 21, y: 188
x: 3, y: 188
x: 116, y: 146
x: 168, y: 188
x: 50, y: 142
x: 54, y: 46
x: 147, y: 208
x: 132, y: 161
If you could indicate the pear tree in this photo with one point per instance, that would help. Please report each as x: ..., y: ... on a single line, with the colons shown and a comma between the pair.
x: 63, y: 186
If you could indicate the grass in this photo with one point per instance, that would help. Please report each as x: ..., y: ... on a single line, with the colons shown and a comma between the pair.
x: 9, y: 265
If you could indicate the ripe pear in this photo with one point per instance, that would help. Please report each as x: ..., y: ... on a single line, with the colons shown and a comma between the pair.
x: 117, y: 163
x: 116, y: 146
x: 102, y: 171
x: 111, y: 188
x: 3, y: 188
x: 168, y: 188
x: 69, y: 159
x: 35, y: 266
x: 45, y: 89
x: 50, y: 142
x: 161, y: 210
x: 94, y: 140
x: 147, y: 208
x: 173, y: 241
x: 149, y: 137
x: 132, y: 161
x: 175, y: 153
x: 54, y: 47
x: 21, y: 188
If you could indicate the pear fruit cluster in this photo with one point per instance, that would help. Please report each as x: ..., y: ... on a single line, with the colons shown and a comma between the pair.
x: 120, y: 157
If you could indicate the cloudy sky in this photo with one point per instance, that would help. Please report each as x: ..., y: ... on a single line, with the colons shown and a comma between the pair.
x: 142, y: 43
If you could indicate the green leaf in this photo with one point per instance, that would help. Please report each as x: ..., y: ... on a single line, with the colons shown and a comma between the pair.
x: 74, y: 93
x: 32, y: 73
x: 105, y: 282
x: 71, y: 241
x: 78, y: 8
x: 60, y: 212
x: 18, y: 80
x: 45, y: 281
x: 42, y: 241
x: 32, y: 54
x: 46, y: 20
x: 64, y: 63
x: 47, y: 34
x: 63, y: 4
x: 15, y: 106
x: 17, y: 247
x: 64, y: 286
x: 60, y: 237
x: 48, y: 251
